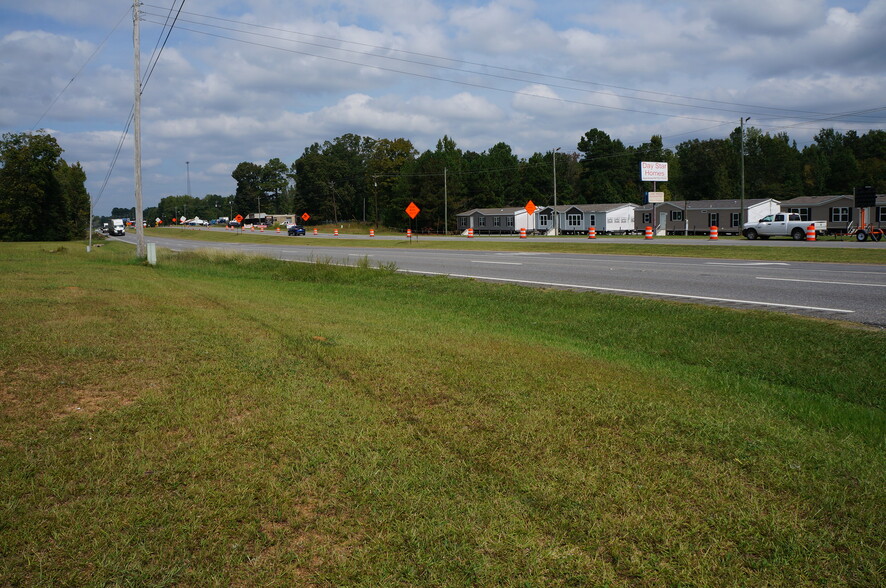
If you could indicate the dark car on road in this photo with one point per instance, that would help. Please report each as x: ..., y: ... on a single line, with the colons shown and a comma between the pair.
x: 233, y: 223
x: 295, y: 230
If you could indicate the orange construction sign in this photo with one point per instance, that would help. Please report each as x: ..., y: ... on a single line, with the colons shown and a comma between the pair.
x: 412, y: 210
x: 530, y: 207
x: 305, y: 217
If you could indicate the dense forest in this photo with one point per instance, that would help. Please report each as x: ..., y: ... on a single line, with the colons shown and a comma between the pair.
x: 361, y: 178
x: 42, y: 197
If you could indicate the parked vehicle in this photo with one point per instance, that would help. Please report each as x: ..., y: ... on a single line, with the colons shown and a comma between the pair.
x: 295, y: 230
x: 116, y: 227
x: 234, y: 224
x: 782, y: 224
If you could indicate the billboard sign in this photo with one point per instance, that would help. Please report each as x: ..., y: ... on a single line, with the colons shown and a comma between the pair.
x: 653, y: 171
x: 654, y: 197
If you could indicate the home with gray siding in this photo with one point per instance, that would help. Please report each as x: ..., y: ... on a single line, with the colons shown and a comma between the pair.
x: 696, y: 217
x: 838, y: 210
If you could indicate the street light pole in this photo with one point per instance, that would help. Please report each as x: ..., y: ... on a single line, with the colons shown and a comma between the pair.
x: 742, y: 220
x: 556, y: 224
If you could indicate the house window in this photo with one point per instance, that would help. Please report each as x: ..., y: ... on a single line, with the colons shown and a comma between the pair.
x: 805, y: 213
x: 676, y: 215
x: 840, y: 214
x: 713, y: 219
x: 463, y: 221
x: 510, y: 221
x: 573, y: 220
x: 544, y: 219
x: 481, y: 221
x: 647, y: 218
x: 881, y: 214
x: 496, y: 221
x: 735, y: 219
x: 592, y: 219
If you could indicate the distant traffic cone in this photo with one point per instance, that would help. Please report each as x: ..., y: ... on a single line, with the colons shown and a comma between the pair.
x: 278, y: 230
x: 470, y: 233
x: 522, y: 232
x: 372, y: 232
x: 592, y: 233
x: 715, y: 233
x: 315, y: 231
x: 810, y: 233
x: 336, y: 232
x: 649, y: 232
x: 409, y: 233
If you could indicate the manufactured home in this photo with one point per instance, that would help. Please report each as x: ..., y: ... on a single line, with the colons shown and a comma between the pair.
x: 695, y: 217
x: 838, y: 210
x: 571, y: 219
x: 496, y: 221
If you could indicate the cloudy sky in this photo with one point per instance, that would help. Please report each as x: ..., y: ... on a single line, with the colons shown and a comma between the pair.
x: 248, y: 80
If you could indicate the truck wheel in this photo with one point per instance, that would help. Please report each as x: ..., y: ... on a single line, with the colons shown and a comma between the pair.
x: 798, y: 234
x: 861, y: 236
x: 751, y: 234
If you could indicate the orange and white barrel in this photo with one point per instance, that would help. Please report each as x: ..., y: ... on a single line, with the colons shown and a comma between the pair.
x: 715, y: 233
x: 470, y: 232
x: 810, y: 233
x: 409, y: 233
x: 648, y: 232
x: 522, y: 232
x: 336, y: 232
x: 592, y: 233
x: 372, y: 232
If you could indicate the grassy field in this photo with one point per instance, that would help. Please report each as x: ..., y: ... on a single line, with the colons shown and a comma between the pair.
x: 578, y: 245
x: 243, y: 421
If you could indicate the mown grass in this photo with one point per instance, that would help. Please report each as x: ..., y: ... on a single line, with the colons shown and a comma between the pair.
x: 233, y: 420
x: 623, y: 246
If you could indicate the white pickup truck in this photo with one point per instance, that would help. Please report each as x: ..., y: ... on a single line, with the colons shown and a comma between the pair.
x: 782, y: 224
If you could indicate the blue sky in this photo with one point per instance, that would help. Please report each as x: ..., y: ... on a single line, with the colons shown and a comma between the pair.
x: 249, y: 80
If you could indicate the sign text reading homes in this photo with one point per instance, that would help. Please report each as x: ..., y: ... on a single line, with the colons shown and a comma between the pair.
x: 653, y: 171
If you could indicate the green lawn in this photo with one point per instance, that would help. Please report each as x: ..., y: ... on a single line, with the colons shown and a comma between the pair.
x: 244, y: 421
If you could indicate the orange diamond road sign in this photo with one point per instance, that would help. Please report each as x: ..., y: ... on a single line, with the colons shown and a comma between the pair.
x: 238, y: 218
x: 530, y: 208
x: 305, y: 217
x: 412, y: 210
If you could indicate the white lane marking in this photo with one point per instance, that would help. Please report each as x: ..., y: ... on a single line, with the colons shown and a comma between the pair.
x: 497, y: 262
x: 626, y: 291
x: 752, y: 263
x: 822, y: 282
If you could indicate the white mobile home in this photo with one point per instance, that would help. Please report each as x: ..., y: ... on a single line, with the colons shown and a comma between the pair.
x: 578, y: 218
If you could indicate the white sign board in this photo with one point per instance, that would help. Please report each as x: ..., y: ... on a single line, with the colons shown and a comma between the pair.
x: 654, y: 197
x: 653, y: 171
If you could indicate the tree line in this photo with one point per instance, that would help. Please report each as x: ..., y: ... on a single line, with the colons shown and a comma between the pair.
x: 42, y: 197
x: 362, y: 178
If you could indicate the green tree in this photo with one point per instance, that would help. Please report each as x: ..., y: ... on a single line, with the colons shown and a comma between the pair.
x: 41, y: 196
x: 249, y: 191
x: 609, y: 174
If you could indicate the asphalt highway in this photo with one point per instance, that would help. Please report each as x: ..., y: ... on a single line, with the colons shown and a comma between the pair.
x: 845, y: 292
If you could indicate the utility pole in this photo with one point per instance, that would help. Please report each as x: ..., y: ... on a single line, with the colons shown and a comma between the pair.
x: 140, y: 248
x: 742, y: 220
x: 556, y: 226
x: 445, y: 203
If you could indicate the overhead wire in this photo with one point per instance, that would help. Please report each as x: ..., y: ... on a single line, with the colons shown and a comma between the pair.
x: 745, y: 107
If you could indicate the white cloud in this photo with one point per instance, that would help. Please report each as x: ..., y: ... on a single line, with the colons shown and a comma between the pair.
x: 216, y: 102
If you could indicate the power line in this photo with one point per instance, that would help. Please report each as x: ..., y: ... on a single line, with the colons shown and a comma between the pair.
x: 743, y: 106
x: 79, y: 71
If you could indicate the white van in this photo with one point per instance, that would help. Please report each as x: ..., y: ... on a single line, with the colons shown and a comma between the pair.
x: 117, y: 227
